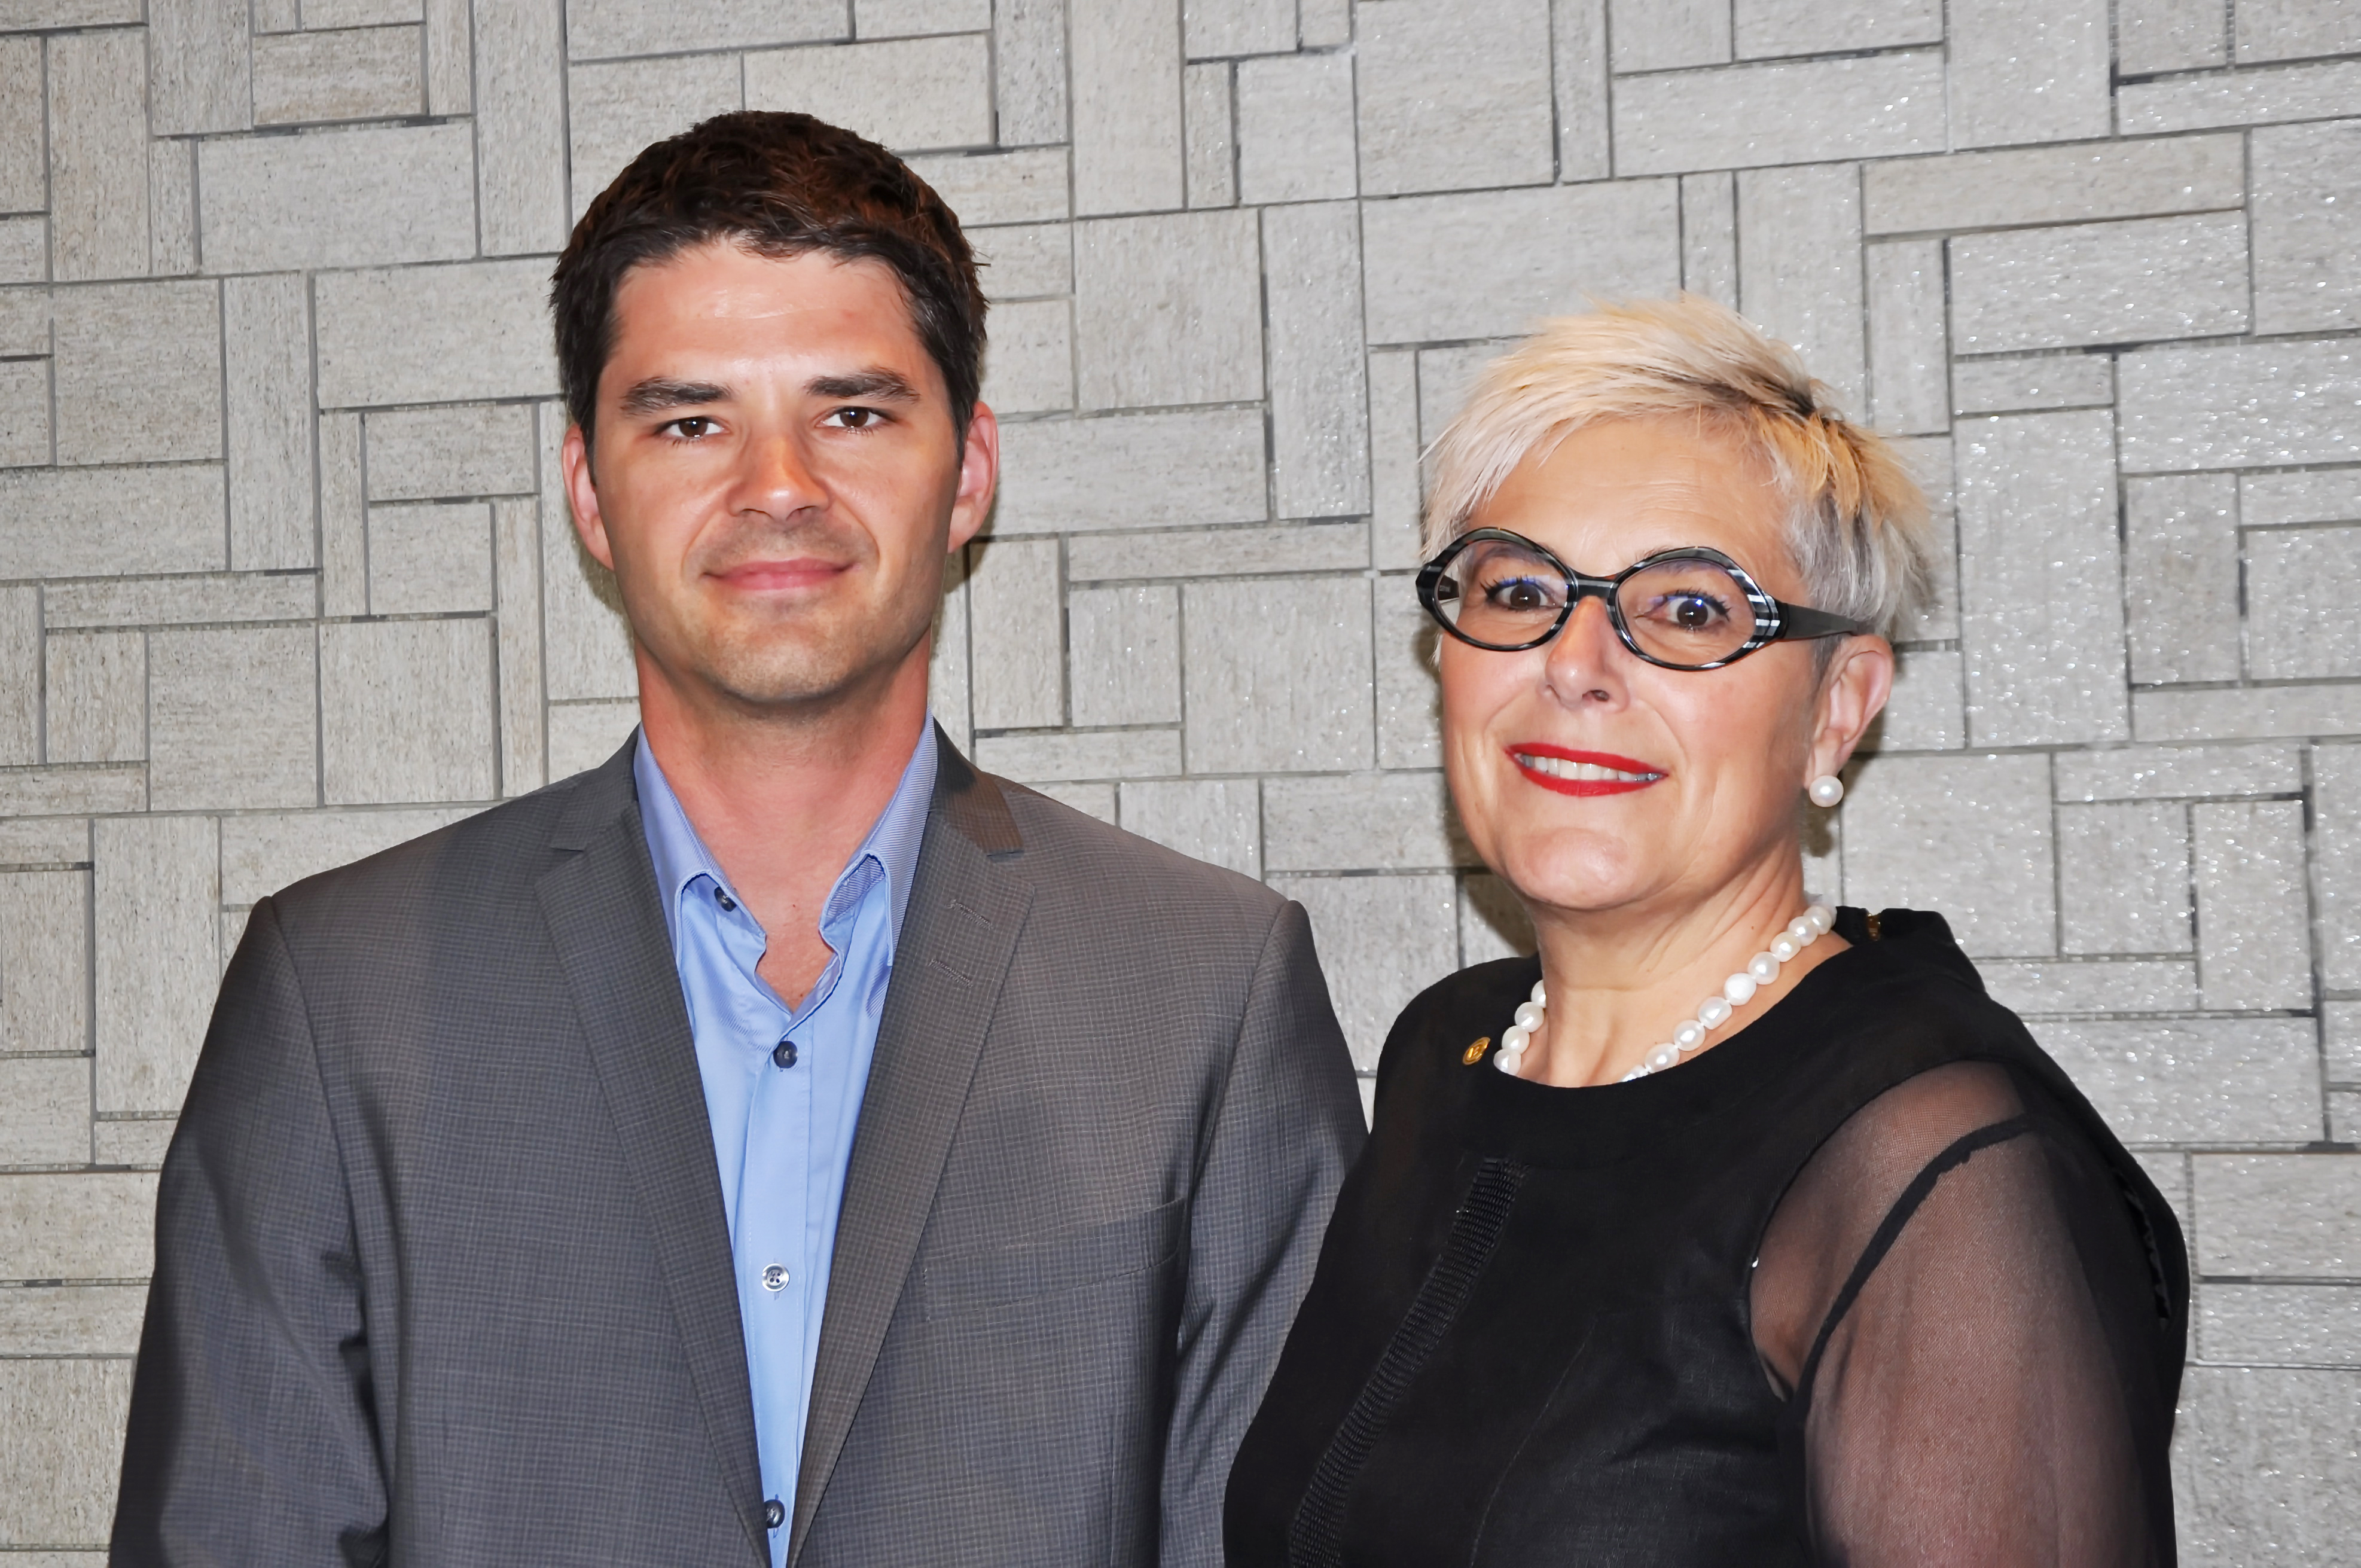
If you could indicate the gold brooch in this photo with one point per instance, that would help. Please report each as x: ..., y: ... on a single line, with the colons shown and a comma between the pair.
x: 1475, y: 1053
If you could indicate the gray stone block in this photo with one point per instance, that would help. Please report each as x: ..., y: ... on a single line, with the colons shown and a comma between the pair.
x: 199, y: 65
x: 1492, y: 923
x: 2195, y: 1081
x: 477, y: 330
x: 2030, y: 383
x: 2025, y: 71
x: 1210, y: 167
x: 2054, y: 184
x: 23, y: 184
x: 2041, y: 585
x: 97, y: 697
x: 1289, y: 548
x: 45, y: 956
x: 172, y: 208
x: 1454, y: 95
x: 1028, y: 187
x: 430, y: 559
x: 450, y: 63
x: 137, y: 1143
x: 72, y: 1319
x: 1360, y: 822
x: 21, y: 675
x: 232, y: 718
x: 1095, y: 799
x: 44, y: 844
x: 912, y: 94
x: 1319, y: 386
x: 1926, y: 712
x: 264, y: 851
x: 1295, y: 128
x: 1277, y: 675
x: 1124, y: 655
x: 948, y: 658
x: 584, y: 734
x: 24, y: 16
x: 339, y: 198
x: 1025, y: 261
x: 2178, y: 773
x: 2299, y: 583
x: 1664, y: 35
x: 614, y: 111
x: 2239, y: 98
x: 1097, y: 754
x: 351, y: 73
x: 99, y: 1225
x: 2170, y: 35
x: 1819, y: 111
x: 24, y: 249
x: 2268, y: 500
x: 44, y: 1111
x: 1213, y: 29
x: 2304, y: 1325
x: 1909, y: 352
x: 156, y: 893
x: 266, y: 381
x: 1030, y: 65
x: 1167, y: 310
x: 1394, y: 448
x: 586, y: 643
x: 2180, y: 571
x: 73, y: 791
x: 1218, y: 820
x: 2240, y: 405
x: 2123, y: 878
x: 25, y: 413
x: 516, y: 631
x: 2112, y: 282
x: 440, y: 453
x: 2168, y: 713
x: 1926, y: 833
x: 1029, y: 366
x: 911, y: 18
x: 138, y: 373
x: 2034, y: 987
x: 2307, y: 213
x: 1410, y: 719
x: 61, y: 1425
x: 344, y: 518
x: 319, y: 14
x: 602, y: 29
x: 1016, y: 635
x: 1382, y: 939
x: 2262, y: 1463
x: 1445, y: 376
x: 1129, y: 471
x: 407, y: 712
x: 2279, y: 1216
x: 25, y: 322
x: 1325, y: 24
x: 98, y: 155
x: 2340, y: 1036
x: 1438, y: 268
x: 1765, y: 29
x: 1799, y: 271
x: 1128, y: 138
x: 2254, y: 937
x: 2292, y: 30
x: 1578, y: 56
x: 181, y: 601
x: 1709, y: 236
x: 519, y: 52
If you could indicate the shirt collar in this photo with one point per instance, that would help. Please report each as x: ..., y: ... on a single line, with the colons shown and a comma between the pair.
x: 680, y: 856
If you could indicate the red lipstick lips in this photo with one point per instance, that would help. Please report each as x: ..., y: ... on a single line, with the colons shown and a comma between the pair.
x: 1556, y: 768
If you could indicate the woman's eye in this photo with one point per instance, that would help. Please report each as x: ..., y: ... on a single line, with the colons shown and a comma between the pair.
x: 1690, y: 611
x: 1518, y: 593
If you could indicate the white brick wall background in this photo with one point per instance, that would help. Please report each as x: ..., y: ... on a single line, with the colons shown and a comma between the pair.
x: 285, y: 574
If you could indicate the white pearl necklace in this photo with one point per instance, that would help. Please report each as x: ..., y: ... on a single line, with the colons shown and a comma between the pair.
x: 1736, y: 993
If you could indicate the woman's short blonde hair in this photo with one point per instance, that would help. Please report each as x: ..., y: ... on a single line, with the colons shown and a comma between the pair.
x: 1856, y: 528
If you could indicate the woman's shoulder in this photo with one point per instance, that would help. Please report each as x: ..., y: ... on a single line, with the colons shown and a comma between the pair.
x: 1455, y: 1014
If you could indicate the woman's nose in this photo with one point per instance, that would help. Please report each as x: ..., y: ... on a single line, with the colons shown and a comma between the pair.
x: 1585, y: 657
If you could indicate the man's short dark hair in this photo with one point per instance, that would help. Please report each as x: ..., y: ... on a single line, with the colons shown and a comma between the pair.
x: 779, y: 185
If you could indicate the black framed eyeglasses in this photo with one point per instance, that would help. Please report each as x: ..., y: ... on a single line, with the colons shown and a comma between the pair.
x: 1691, y: 608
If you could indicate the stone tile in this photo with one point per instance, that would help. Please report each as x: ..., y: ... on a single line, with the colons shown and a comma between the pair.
x: 1319, y: 386
x: 61, y: 1425
x: 1926, y: 712
x: 2054, y: 184
x: 2340, y: 1031
x: 348, y: 74
x: 601, y: 29
x: 24, y: 413
x: 232, y: 718
x: 1918, y: 834
x: 2195, y: 1081
x: 1276, y: 676
x: 1128, y: 134
x: 1427, y: 283
x: 2262, y: 1465
x: 1099, y: 755
x: 1028, y: 187
x: 2300, y: 588
x: 2123, y: 878
x: 97, y: 690
x: 1167, y: 310
x: 262, y: 852
x: 2168, y: 1168
x: 1709, y: 236
x: 2024, y: 71
x: 1029, y: 71
x: 1769, y: 27
x: 344, y: 518
x: 407, y: 710
x: 73, y: 791
x: 138, y: 373
x: 2114, y: 282
x: 155, y: 892
x: 1909, y: 354
x: 949, y: 664
x: 1579, y: 52
x: 1217, y: 821
x: 21, y: 675
x: 44, y: 1111
x: 1029, y: 366
x: 1381, y: 940
x: 1492, y: 923
x: 2041, y: 585
x: 518, y: 90
x: 339, y: 198
x: 24, y: 249
x: 585, y: 642
x: 340, y: 13
x: 584, y: 734
x: 2033, y: 382
x: 910, y: 19
x: 172, y: 208
x: 1799, y: 273
x: 267, y: 382
x: 2108, y: 985
x: 1130, y: 471
x: 1025, y: 261
x: 23, y: 187
x: 1742, y: 117
x: 25, y: 15
x: 2253, y: 946
x: 76, y: 1227
x: 1929, y: 458
x: 2307, y: 226
x: 1445, y: 376
x: 1211, y: 166
x: 613, y: 111
x: 2307, y: 1325
x: 912, y: 94
x: 2267, y: 501
x: 2279, y: 1216
x: 1360, y: 822
x: 44, y: 843
x: 2169, y: 34
x: 200, y: 64
x: 24, y: 321
x: 137, y: 1143
x: 1409, y: 717
x: 45, y: 958
x: 1211, y: 30
x: 1289, y: 548
x: 2172, y: 773
x: 1016, y: 633
x: 2291, y: 29
x: 1325, y: 24
x: 1664, y: 35
x: 2241, y: 714
x: 475, y: 332
x: 1295, y: 128
x: 172, y: 602
x: 2239, y: 98
x: 1124, y: 655
x: 430, y: 559
x: 437, y: 453
x: 1454, y: 95
x: 1394, y: 448
x: 1091, y: 799
x: 72, y: 1319
x: 98, y: 155
x: 2181, y: 576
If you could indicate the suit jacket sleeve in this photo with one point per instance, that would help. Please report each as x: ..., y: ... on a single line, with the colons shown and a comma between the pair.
x: 1288, y: 1125
x: 251, y: 1438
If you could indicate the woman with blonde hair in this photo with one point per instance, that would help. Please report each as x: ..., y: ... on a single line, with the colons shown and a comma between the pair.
x: 1732, y: 1228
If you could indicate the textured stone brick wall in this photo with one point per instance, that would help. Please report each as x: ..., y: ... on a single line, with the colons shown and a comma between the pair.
x: 284, y: 575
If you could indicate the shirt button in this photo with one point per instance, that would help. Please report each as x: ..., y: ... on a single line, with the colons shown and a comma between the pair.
x: 783, y: 1054
x: 723, y: 899
x: 774, y: 1278
x: 774, y: 1513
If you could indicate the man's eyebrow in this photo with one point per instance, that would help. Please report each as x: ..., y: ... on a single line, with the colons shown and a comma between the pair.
x: 875, y: 385
x: 659, y: 392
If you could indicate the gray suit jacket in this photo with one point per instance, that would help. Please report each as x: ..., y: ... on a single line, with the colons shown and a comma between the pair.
x: 441, y: 1273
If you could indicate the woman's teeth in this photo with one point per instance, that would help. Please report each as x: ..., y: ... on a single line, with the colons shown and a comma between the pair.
x: 1586, y: 772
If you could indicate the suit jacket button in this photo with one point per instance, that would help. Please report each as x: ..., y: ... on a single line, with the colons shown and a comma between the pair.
x: 774, y: 1513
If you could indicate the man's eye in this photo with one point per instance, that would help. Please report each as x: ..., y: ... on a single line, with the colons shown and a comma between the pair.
x: 695, y: 427
x: 856, y: 419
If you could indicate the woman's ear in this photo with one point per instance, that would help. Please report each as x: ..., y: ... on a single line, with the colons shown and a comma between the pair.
x: 1852, y: 693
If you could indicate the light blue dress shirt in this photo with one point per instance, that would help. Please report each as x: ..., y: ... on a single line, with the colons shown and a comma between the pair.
x: 783, y: 1085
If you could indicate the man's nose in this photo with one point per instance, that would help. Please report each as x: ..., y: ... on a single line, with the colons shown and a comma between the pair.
x: 775, y: 478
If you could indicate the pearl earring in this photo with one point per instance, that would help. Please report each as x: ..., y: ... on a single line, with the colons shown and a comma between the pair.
x: 1825, y: 790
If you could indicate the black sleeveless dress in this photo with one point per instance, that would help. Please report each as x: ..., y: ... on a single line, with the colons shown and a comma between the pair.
x: 1533, y: 1336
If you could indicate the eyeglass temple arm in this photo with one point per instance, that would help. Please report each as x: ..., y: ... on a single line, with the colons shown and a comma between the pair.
x: 1796, y: 622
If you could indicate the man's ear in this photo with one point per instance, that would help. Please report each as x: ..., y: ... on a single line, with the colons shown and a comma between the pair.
x: 978, y: 478
x: 1852, y: 694
x: 582, y: 497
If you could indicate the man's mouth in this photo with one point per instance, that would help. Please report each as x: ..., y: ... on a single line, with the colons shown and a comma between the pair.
x: 1582, y: 773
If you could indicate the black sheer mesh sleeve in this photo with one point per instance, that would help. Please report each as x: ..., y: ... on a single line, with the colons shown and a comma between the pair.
x: 1950, y: 1295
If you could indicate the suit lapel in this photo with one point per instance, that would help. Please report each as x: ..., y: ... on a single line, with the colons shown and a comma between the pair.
x: 957, y: 939
x: 600, y: 903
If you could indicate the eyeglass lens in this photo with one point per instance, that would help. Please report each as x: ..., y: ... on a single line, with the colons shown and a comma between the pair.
x: 1684, y: 611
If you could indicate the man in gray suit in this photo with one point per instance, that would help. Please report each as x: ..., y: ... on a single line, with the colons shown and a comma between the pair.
x: 783, y: 1142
